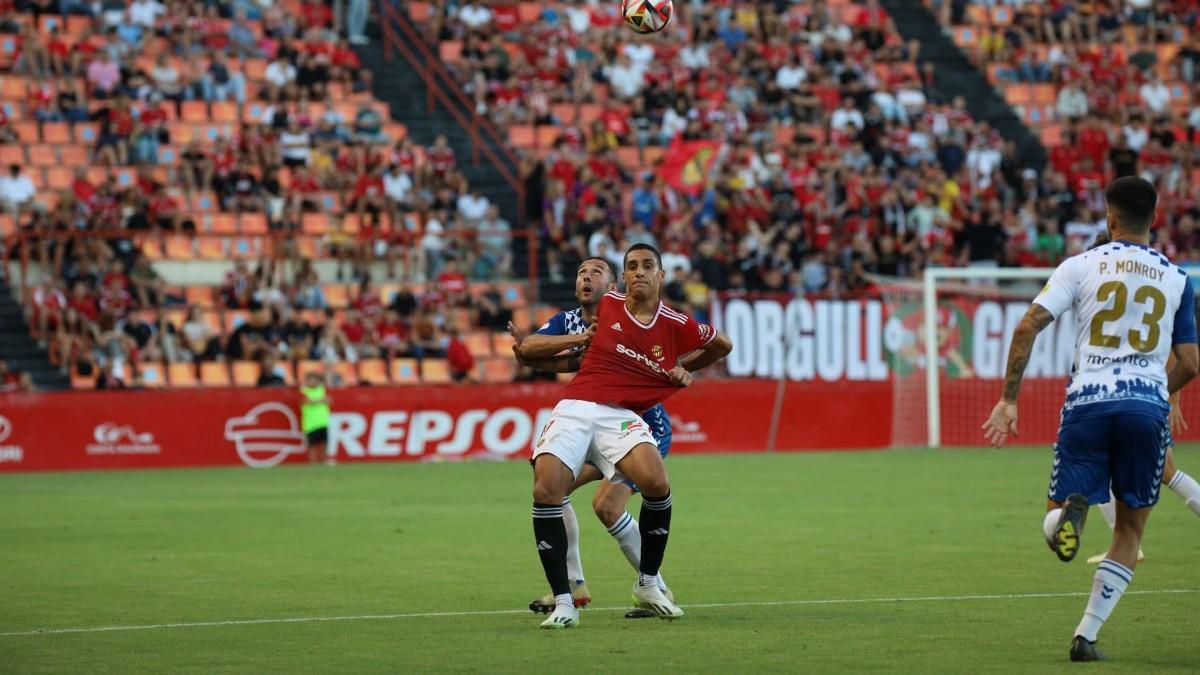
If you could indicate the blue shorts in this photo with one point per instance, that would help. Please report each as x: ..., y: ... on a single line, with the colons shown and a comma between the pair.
x: 660, y: 428
x: 1126, y: 451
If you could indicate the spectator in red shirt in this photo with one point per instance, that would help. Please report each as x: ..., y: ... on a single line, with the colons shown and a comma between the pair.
x: 369, y: 195
x: 392, y: 336
x: 356, y: 335
x: 452, y: 285
x: 459, y: 358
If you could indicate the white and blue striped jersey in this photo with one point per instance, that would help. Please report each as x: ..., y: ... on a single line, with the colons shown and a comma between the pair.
x: 1131, y: 305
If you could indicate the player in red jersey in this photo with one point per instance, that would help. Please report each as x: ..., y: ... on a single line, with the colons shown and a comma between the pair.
x: 630, y: 366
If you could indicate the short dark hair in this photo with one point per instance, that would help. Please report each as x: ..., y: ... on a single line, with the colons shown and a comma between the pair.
x: 643, y: 247
x: 1134, y: 200
x: 612, y: 272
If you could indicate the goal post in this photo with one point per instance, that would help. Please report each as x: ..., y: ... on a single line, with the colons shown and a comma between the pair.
x: 969, y: 314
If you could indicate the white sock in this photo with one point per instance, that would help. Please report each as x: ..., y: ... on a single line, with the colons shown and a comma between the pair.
x: 647, y: 580
x: 1050, y: 524
x: 574, y: 564
x: 1188, y: 490
x: 1109, y: 510
x: 629, y: 539
x: 564, y: 599
x: 1111, y: 580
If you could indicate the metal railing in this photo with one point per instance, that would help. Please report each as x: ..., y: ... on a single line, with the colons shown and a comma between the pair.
x: 441, y: 86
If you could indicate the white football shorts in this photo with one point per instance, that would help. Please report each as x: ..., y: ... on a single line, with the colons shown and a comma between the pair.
x: 581, y: 431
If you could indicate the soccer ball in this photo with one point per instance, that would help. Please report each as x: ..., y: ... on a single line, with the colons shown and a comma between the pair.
x: 646, y: 16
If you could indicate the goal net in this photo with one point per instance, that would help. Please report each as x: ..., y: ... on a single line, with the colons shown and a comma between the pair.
x: 961, y: 321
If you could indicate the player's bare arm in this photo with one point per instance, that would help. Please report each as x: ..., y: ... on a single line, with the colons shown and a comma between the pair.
x: 1186, y: 367
x: 537, y: 346
x: 717, y: 349
x: 562, y: 363
x: 1003, y: 420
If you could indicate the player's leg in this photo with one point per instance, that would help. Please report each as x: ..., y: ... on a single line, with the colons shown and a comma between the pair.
x: 1109, y: 510
x: 574, y: 560
x: 644, y: 466
x: 1138, y: 452
x: 1182, y: 484
x: 558, y: 457
x: 1080, y: 476
x: 579, y: 590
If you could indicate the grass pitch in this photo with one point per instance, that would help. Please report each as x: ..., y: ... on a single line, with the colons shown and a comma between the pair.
x: 755, y: 538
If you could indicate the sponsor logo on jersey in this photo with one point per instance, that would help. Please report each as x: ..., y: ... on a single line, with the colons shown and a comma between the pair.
x: 632, y: 425
x: 657, y: 351
x: 640, y: 358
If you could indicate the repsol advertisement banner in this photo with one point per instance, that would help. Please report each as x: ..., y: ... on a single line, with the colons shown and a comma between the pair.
x: 880, y: 336
x: 261, y: 427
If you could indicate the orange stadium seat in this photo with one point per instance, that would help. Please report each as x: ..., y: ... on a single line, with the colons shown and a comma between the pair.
x: 58, y: 178
x: 521, y: 135
x: 195, y: 111
x: 435, y: 371
x: 523, y: 318
x: 12, y: 154
x: 418, y: 12
x: 27, y: 132
x: 73, y: 155
x: 372, y: 371
x: 478, y: 343
x: 225, y: 111
x: 450, y: 51
x: 57, y: 133
x: 153, y: 376
x: 87, y: 132
x: 502, y: 344
x: 405, y: 371
x: 200, y: 296
x: 347, y: 372
x: 336, y: 295
x: 182, y: 374
x: 252, y: 223
x: 499, y: 370
x: 245, y: 373
x: 307, y: 366
x: 529, y: 12
x: 214, y: 374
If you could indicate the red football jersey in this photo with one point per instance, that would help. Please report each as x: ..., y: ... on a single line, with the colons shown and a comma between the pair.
x: 627, y: 362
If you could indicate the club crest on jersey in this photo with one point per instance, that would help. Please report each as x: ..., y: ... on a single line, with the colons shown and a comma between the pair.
x: 657, y: 351
x: 616, y: 326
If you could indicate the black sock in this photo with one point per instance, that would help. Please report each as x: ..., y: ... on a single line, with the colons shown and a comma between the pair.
x: 550, y: 532
x: 655, y: 524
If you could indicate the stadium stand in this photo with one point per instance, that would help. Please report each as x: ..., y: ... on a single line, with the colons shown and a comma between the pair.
x: 224, y: 131
x: 836, y: 155
x: 1110, y: 86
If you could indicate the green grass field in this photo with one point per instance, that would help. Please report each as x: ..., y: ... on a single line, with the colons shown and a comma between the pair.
x: 768, y: 555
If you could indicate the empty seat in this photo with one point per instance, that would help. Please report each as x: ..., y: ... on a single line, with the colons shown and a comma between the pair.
x: 182, y: 374
x: 405, y: 371
x: 435, y: 371
x: 245, y: 373
x: 214, y: 374
x: 372, y: 371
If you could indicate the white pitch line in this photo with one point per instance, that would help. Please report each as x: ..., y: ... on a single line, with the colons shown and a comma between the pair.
x: 500, y: 612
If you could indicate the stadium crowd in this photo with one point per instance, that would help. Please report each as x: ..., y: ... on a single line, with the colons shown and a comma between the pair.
x: 841, y: 158
x: 1120, y: 78
x: 108, y: 319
